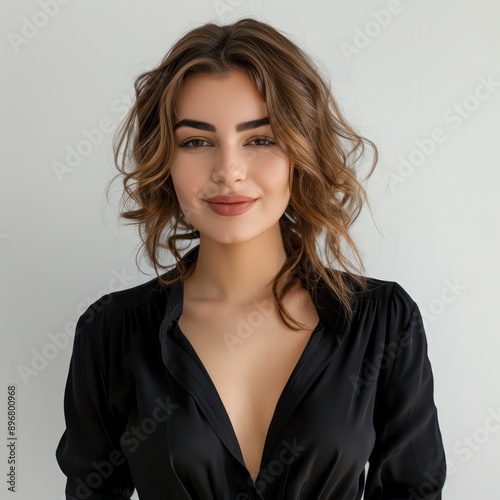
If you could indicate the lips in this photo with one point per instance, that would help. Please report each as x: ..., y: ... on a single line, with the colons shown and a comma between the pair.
x: 230, y: 204
x: 229, y: 199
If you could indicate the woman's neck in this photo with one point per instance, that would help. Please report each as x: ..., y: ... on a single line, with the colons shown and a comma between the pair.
x: 237, y: 273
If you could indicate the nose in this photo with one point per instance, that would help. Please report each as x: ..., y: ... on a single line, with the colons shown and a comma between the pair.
x: 230, y: 165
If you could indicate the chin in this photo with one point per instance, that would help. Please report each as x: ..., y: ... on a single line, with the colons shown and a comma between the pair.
x: 230, y: 237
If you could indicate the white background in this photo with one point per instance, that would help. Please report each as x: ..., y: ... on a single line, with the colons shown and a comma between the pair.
x: 435, y: 231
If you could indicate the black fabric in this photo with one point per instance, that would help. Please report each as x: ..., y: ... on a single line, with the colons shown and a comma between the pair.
x: 142, y: 412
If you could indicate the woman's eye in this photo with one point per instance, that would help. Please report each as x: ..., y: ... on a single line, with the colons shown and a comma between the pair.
x: 198, y: 143
x: 184, y: 144
x: 266, y: 139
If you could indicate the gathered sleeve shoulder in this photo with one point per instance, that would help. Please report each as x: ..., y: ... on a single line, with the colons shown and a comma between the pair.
x: 408, y: 459
x: 89, y: 451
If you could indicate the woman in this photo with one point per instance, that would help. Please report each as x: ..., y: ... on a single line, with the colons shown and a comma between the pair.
x: 250, y: 369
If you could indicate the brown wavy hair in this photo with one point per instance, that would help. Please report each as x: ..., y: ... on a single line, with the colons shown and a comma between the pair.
x: 324, y: 151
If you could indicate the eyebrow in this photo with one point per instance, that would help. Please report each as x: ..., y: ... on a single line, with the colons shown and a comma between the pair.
x: 240, y: 127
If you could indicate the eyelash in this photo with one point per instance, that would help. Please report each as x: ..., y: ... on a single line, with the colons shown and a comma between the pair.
x: 184, y: 144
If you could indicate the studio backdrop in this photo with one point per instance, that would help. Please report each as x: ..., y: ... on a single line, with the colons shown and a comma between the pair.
x: 421, y: 79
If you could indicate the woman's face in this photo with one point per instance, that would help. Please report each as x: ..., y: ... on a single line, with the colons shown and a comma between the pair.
x: 219, y: 151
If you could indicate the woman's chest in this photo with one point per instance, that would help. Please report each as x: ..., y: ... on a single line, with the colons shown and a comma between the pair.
x: 248, y: 368
x: 321, y: 422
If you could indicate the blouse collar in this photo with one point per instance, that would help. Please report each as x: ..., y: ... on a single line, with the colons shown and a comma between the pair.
x: 329, y: 308
x: 186, y: 368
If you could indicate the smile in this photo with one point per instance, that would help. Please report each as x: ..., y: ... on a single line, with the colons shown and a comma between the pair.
x: 231, y: 208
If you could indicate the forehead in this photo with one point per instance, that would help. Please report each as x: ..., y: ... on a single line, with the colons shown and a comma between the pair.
x: 220, y: 99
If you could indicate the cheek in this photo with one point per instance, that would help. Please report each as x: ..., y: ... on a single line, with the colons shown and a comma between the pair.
x: 274, y: 177
x: 186, y: 180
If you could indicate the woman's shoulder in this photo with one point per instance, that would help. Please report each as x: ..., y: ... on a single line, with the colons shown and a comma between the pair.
x: 384, y: 288
x: 384, y: 299
x: 380, y: 301
x: 138, y: 295
x: 378, y: 288
x: 151, y: 292
x: 113, y: 313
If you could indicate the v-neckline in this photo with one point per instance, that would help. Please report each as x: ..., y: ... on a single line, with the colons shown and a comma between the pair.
x: 311, y: 345
x: 182, y: 362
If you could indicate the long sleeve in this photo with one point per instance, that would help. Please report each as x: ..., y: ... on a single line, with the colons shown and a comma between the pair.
x: 142, y: 414
x: 408, y: 459
x: 88, y: 452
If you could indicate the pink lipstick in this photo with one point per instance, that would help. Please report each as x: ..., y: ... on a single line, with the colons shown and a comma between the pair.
x: 230, y: 204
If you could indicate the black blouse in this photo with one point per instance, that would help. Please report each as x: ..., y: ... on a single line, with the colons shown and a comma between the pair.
x: 142, y: 412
